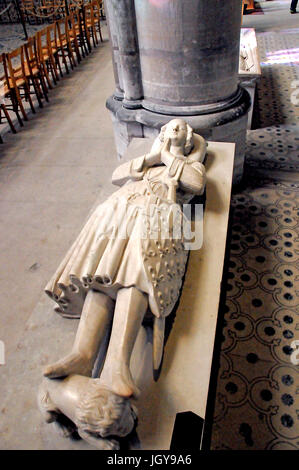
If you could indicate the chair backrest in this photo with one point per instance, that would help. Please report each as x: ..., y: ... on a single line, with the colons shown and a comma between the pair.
x: 88, y: 10
x: 62, y: 30
x: 3, y: 73
x: 42, y: 44
x: 30, y: 48
x: 52, y: 36
x: 15, y: 59
x: 15, y: 66
x: 96, y: 7
x: 101, y: 6
x: 74, y: 21
x: 31, y: 53
x: 76, y: 16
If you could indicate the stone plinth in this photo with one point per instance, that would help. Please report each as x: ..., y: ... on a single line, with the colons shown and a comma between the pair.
x: 184, y: 381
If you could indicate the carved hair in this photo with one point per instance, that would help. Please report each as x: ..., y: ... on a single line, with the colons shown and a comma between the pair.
x: 100, y: 408
x: 189, y: 138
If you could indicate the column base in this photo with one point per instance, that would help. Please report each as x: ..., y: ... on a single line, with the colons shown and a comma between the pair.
x: 226, y: 125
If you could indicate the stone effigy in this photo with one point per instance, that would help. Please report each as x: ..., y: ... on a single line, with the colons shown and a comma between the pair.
x: 127, y: 264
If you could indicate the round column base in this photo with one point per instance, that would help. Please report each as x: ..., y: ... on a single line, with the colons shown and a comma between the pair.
x: 227, y: 125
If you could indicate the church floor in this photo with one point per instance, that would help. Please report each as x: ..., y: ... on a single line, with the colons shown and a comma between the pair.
x: 257, y: 402
x: 51, y: 174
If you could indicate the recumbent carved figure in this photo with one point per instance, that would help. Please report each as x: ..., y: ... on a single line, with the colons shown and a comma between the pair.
x: 112, y: 276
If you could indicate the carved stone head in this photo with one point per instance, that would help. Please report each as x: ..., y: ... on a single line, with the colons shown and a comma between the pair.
x: 179, y: 133
x: 102, y: 412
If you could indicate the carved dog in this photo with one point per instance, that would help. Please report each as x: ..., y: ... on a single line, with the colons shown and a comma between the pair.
x: 99, y: 415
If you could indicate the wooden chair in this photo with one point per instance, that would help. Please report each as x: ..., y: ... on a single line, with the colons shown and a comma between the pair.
x: 90, y: 24
x: 101, y: 7
x: 46, y: 57
x: 65, y: 44
x: 5, y: 93
x: 76, y: 32
x: 16, y: 79
x: 82, y: 34
x: 33, y: 70
x: 53, y: 46
x: 98, y: 15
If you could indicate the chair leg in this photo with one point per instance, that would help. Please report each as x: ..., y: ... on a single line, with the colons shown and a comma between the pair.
x: 37, y: 91
x: 91, y: 33
x: 85, y: 46
x: 16, y: 108
x: 6, y: 113
x: 95, y: 33
x: 94, y: 38
x: 77, y: 50
x: 53, y: 69
x: 45, y: 71
x: 28, y: 96
x: 100, y: 31
x: 43, y: 85
x: 64, y: 59
x: 71, y: 56
x: 56, y: 57
x: 87, y: 36
x: 19, y: 102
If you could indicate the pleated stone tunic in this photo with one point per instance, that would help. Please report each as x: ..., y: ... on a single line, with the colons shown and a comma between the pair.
x: 128, y: 241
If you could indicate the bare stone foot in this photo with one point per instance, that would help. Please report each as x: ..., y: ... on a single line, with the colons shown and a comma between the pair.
x: 74, y: 363
x: 123, y: 385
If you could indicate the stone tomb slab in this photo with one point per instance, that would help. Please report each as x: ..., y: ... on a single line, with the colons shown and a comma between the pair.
x: 184, y: 381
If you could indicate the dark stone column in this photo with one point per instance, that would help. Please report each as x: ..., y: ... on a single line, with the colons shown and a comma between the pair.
x: 179, y: 58
x: 189, y: 54
x: 122, y: 24
x: 112, y: 30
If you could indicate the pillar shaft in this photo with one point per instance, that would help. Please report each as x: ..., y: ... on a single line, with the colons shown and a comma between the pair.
x: 188, y: 52
x: 122, y: 14
x: 112, y: 31
x: 179, y: 58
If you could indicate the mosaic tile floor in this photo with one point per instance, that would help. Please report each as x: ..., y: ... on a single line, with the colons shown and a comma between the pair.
x: 257, y: 403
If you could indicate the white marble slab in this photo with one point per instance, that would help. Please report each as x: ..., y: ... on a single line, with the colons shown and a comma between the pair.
x: 184, y: 381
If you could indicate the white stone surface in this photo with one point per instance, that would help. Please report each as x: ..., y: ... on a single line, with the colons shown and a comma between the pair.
x: 184, y: 381
x: 67, y: 145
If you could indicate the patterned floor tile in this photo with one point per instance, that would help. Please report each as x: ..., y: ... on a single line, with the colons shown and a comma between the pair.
x: 257, y: 404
